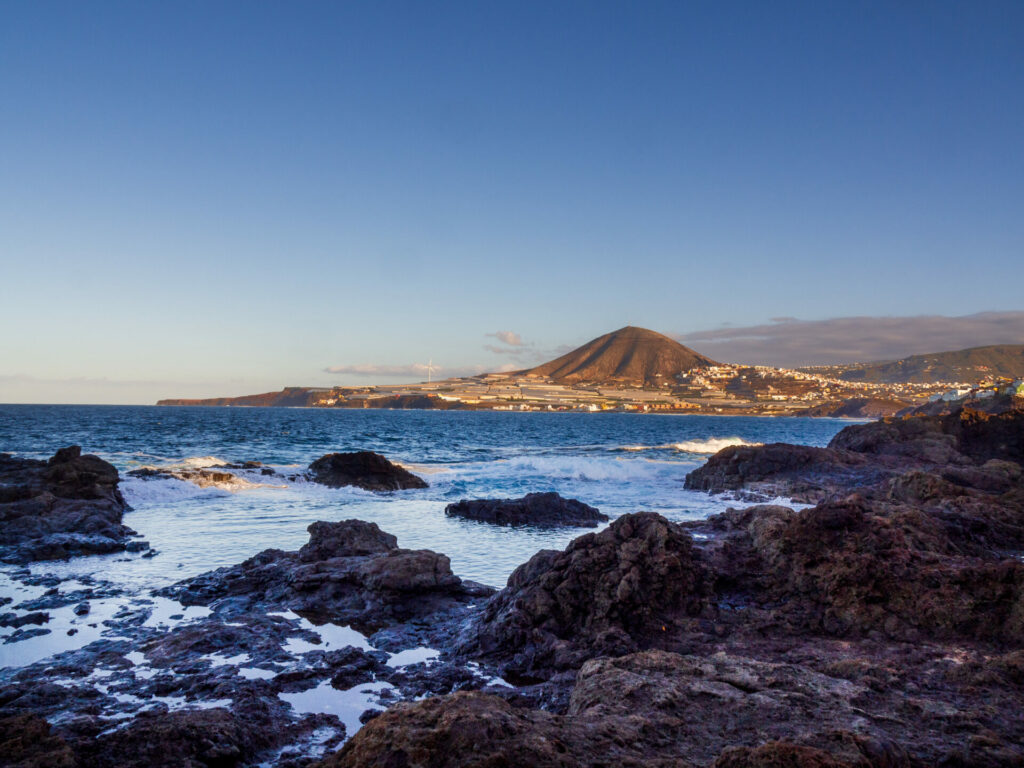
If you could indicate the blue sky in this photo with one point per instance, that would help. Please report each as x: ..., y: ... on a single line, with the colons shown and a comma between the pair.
x: 218, y: 198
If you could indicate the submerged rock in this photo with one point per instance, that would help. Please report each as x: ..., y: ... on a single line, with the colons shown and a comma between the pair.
x: 543, y: 510
x: 67, y: 506
x: 363, y: 469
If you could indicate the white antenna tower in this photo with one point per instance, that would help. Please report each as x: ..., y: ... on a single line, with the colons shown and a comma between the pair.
x: 430, y: 369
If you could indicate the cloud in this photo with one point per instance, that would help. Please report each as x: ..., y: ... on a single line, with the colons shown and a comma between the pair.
x: 369, y: 369
x: 514, y: 351
x: 789, y: 342
x: 509, y: 338
x: 418, y: 371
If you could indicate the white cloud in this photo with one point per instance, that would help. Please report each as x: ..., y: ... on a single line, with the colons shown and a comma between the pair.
x: 509, y: 338
x: 370, y: 369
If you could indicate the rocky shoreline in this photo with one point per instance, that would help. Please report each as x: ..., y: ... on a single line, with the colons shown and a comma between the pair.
x: 883, y: 626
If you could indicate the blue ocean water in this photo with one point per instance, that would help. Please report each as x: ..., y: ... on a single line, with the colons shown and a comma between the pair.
x: 617, y: 462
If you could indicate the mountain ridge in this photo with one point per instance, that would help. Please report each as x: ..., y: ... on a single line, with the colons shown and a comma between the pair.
x: 959, y: 365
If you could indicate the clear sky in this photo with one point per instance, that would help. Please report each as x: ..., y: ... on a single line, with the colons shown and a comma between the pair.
x: 217, y: 198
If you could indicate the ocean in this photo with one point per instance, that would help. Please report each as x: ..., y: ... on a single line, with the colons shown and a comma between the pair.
x: 617, y: 462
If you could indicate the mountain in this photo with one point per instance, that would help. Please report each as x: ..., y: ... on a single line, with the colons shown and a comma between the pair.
x: 626, y: 356
x: 964, y: 365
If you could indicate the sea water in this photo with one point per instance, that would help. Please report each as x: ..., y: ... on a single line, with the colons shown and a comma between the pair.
x: 617, y: 462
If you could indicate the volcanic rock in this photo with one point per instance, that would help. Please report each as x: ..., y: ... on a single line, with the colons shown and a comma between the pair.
x: 26, y: 742
x: 350, y: 572
x: 608, y: 593
x: 67, y: 506
x: 363, y: 469
x: 959, y: 445
x: 664, y: 709
x: 543, y: 510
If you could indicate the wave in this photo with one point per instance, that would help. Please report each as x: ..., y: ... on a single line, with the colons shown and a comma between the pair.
x: 201, y: 462
x: 580, y: 468
x: 138, y: 491
x: 711, y: 445
x: 708, y: 446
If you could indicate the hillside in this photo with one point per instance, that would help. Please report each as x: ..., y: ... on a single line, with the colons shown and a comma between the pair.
x: 627, y: 356
x: 289, y: 397
x: 964, y: 365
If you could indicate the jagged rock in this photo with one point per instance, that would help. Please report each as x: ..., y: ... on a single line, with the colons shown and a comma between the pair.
x: 363, y: 469
x: 800, y: 472
x: 13, y: 620
x: 544, y: 510
x: 858, y: 567
x: 26, y: 741
x: 970, y: 448
x: 780, y: 755
x: 604, y: 595
x: 182, y: 739
x: 661, y: 709
x: 350, y: 572
x: 67, y: 506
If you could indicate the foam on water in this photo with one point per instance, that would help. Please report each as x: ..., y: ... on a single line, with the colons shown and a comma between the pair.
x: 705, y: 446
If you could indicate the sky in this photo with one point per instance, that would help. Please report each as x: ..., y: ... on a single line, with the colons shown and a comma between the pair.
x: 213, y: 198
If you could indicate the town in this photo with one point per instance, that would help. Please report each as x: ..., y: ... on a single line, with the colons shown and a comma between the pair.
x: 718, y: 389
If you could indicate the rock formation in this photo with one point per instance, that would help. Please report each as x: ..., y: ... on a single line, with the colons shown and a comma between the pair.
x: 67, y: 506
x: 363, y: 469
x: 542, y: 510
x: 350, y: 572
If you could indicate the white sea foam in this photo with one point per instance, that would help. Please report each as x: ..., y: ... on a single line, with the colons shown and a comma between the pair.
x: 165, y: 490
x: 201, y: 462
x: 708, y: 446
x: 583, y: 468
x: 711, y: 445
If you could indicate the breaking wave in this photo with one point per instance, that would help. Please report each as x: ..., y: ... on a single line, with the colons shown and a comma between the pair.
x: 708, y: 446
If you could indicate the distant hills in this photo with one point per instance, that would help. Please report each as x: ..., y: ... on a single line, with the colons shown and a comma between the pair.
x: 629, y: 355
x: 637, y: 357
x: 964, y: 365
x: 289, y: 397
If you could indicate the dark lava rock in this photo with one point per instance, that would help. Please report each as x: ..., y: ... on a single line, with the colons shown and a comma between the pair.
x: 655, y: 709
x: 14, y: 620
x: 67, y: 506
x: 608, y: 593
x: 182, y: 739
x: 27, y: 742
x: 25, y: 634
x: 858, y: 567
x: 800, y: 472
x: 544, y: 510
x: 363, y: 469
x: 961, y: 445
x: 350, y: 572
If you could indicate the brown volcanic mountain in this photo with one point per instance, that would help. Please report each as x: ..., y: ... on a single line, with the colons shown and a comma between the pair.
x: 626, y: 356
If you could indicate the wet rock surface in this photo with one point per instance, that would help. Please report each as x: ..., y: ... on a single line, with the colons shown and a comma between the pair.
x: 363, y: 469
x: 543, y: 510
x: 350, y: 572
x: 61, y: 508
